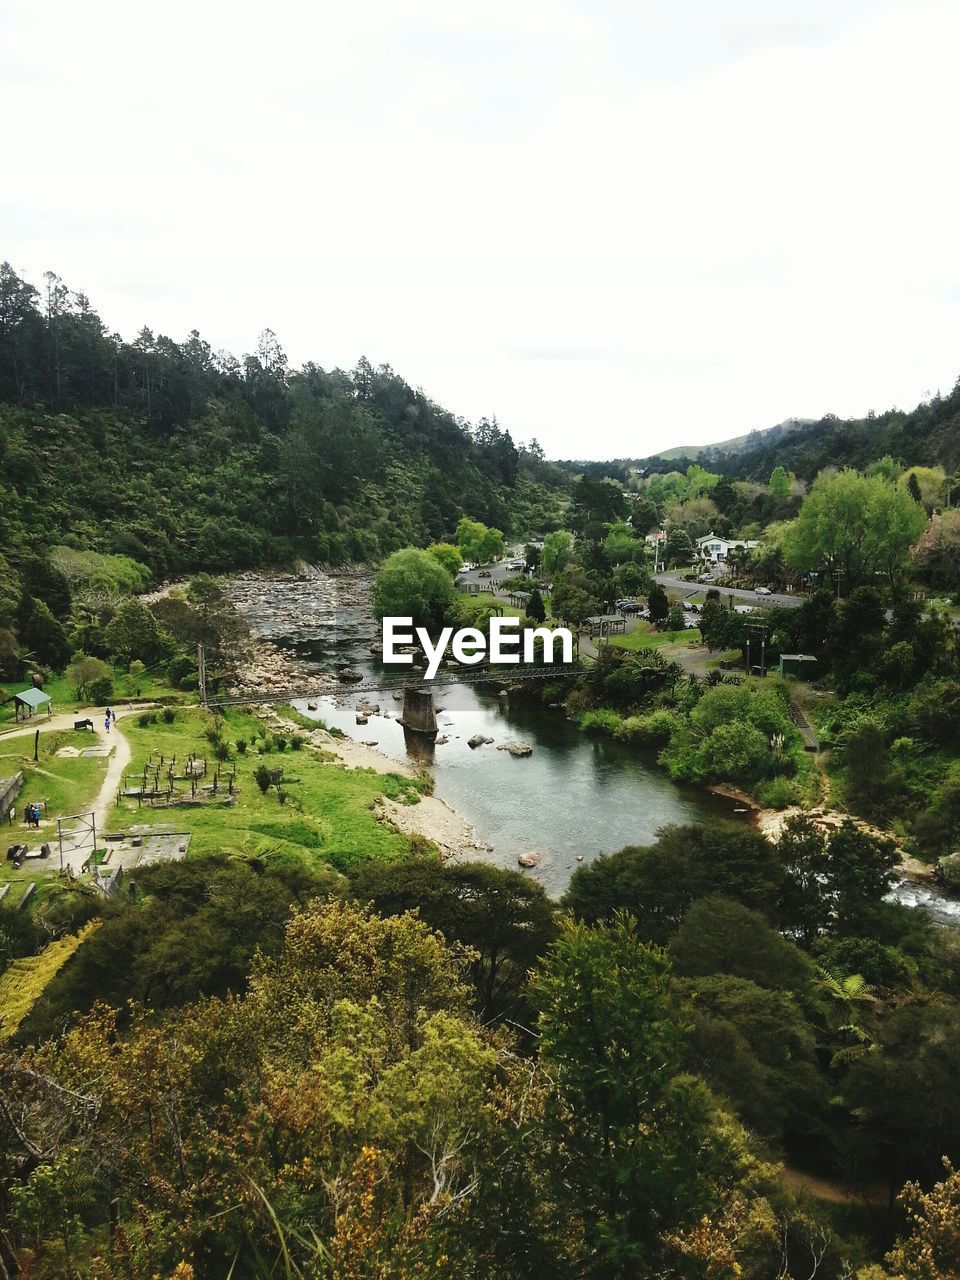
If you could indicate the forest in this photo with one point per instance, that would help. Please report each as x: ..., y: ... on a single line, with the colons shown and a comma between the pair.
x: 183, y: 458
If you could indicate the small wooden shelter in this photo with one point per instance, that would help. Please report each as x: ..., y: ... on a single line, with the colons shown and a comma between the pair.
x: 30, y: 701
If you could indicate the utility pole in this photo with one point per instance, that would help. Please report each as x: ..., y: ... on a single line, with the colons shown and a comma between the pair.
x: 202, y: 673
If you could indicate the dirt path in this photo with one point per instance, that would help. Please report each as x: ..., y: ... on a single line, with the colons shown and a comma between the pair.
x: 117, y: 762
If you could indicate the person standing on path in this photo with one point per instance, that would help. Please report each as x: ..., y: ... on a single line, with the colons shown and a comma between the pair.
x: 106, y: 720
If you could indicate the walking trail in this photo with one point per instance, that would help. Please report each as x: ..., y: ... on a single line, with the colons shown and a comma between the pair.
x: 117, y: 762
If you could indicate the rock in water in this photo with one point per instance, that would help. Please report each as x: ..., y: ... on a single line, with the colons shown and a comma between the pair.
x: 518, y: 749
x: 349, y: 676
x: 528, y: 859
x: 478, y: 740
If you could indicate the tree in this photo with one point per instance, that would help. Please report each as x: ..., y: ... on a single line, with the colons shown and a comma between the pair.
x: 621, y: 544
x: 719, y: 935
x: 412, y: 584
x: 754, y: 1045
x: 133, y: 633
x: 635, y: 1154
x: 674, y: 620
x: 42, y: 634
x: 836, y: 883
x: 448, y: 555
x: 905, y: 1130
x: 853, y: 525
x: 658, y: 606
x: 536, y: 610
x: 932, y: 1246
x: 657, y: 883
x: 84, y: 671
x: 478, y: 543
x: 505, y: 918
x: 913, y: 488
x: 557, y: 548
x: 779, y: 484
x: 678, y: 549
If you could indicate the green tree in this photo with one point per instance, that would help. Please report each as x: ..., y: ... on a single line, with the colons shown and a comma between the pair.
x: 536, y: 610
x: 412, y: 584
x: 658, y: 883
x: 636, y: 1150
x: 679, y: 549
x: 505, y: 918
x: 448, y: 555
x: 478, y: 543
x: 658, y: 606
x: 84, y: 671
x: 132, y: 632
x: 779, y: 483
x: 719, y: 935
x: 853, y: 525
x: 557, y: 549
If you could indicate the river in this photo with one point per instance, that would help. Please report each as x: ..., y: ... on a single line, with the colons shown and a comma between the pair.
x: 573, y: 799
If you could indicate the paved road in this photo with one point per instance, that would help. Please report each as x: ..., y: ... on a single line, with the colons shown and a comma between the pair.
x: 674, y: 583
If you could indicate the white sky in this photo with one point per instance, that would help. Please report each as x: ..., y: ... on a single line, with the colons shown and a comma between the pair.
x: 619, y: 225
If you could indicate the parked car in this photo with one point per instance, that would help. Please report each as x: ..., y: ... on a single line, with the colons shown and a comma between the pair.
x: 763, y: 591
x: 690, y: 607
x: 706, y: 577
x: 628, y: 606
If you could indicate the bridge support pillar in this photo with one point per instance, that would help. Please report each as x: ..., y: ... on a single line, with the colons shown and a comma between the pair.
x: 419, y: 713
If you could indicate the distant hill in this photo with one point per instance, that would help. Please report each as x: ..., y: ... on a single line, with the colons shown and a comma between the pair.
x: 738, y: 444
x: 925, y: 436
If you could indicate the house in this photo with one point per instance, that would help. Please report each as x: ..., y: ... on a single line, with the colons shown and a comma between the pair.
x: 716, y: 550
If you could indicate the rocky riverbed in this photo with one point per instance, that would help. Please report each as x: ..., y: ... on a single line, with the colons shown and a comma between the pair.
x: 296, y: 607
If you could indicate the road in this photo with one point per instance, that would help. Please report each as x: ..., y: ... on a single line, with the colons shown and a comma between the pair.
x: 672, y: 582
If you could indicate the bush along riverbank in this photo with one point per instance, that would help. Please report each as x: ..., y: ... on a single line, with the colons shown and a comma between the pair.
x: 727, y: 730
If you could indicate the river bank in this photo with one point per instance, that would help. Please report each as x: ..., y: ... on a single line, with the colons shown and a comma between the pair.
x: 431, y: 818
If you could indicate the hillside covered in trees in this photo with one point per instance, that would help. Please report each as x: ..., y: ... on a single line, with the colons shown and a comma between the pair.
x: 181, y: 457
x: 928, y: 435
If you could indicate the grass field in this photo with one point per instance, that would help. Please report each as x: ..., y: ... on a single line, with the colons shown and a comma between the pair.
x: 64, y: 696
x: 643, y: 636
x: 328, y: 814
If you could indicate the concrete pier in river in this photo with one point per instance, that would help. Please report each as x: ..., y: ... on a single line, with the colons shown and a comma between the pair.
x: 419, y: 713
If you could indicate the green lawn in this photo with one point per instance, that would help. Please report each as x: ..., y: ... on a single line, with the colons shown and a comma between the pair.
x: 67, y: 785
x: 125, y: 687
x: 643, y: 636
x: 327, y: 815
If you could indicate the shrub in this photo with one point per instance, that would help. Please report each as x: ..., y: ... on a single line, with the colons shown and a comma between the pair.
x: 652, y: 730
x: 169, y: 715
x: 146, y: 718
x: 280, y: 742
x: 241, y: 746
x: 778, y: 793
x: 100, y: 689
x: 296, y: 743
x: 603, y: 720
x: 261, y: 776
x: 179, y: 668
x: 221, y: 750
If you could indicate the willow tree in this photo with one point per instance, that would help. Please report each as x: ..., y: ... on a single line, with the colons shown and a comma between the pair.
x: 854, y: 526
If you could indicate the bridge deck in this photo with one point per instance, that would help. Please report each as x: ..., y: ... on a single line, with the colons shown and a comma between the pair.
x: 342, y: 689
